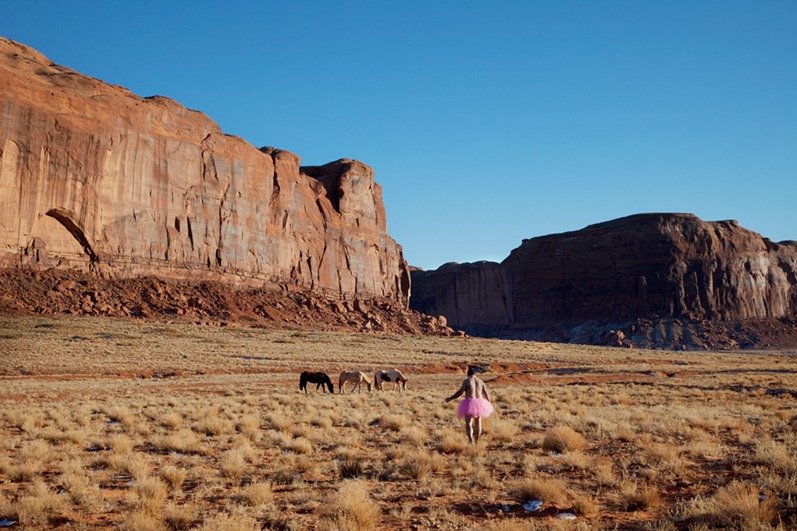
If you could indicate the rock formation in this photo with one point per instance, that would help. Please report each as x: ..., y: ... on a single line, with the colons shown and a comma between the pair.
x: 473, y: 296
x: 647, y: 266
x: 95, y: 177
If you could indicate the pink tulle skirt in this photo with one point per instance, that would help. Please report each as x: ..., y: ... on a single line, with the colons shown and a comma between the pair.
x: 474, y: 407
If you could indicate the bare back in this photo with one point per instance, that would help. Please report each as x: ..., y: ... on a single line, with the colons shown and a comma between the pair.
x: 473, y: 387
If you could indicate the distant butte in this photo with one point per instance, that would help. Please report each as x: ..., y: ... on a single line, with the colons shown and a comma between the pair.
x: 656, y: 280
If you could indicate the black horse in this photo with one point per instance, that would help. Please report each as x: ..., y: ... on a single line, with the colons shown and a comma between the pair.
x: 319, y: 378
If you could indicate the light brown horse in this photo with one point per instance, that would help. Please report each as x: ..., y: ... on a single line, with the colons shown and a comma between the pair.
x: 356, y: 378
x: 392, y: 375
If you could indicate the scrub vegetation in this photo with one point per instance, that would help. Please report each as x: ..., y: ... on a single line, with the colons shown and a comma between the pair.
x: 111, y: 422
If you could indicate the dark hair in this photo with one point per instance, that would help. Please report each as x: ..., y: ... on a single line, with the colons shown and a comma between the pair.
x: 475, y: 369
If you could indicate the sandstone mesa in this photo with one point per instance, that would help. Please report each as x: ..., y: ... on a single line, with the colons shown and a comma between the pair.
x: 643, y: 267
x: 97, y: 178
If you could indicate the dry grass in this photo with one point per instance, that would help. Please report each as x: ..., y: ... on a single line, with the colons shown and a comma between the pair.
x: 230, y: 522
x: 502, y: 430
x: 451, y: 442
x: 644, y: 499
x: 232, y: 464
x: 393, y: 422
x: 353, y: 507
x: 179, y: 517
x: 736, y: 505
x: 230, y: 442
x: 550, y: 490
x: 563, y: 439
x: 173, y: 476
x: 258, y: 494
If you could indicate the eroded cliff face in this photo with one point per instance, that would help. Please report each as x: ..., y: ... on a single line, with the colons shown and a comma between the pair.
x: 92, y: 176
x: 642, y: 266
x: 475, y: 294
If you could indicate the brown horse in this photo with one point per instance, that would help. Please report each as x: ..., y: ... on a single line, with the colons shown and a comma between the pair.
x: 357, y: 379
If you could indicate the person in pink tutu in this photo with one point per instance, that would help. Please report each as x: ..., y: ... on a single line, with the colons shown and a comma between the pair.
x: 476, y: 405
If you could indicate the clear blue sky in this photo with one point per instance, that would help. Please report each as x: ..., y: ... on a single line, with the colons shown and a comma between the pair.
x: 486, y: 123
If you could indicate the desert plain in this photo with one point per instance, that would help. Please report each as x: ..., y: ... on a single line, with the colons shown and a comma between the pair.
x: 111, y: 422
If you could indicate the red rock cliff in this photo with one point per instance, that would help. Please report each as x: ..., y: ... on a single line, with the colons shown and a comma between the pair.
x: 93, y: 176
x: 647, y: 265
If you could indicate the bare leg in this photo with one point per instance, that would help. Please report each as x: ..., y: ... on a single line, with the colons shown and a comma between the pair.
x: 477, y: 429
x: 469, y: 429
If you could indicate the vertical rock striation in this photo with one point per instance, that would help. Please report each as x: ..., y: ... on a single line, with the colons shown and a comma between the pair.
x: 92, y: 176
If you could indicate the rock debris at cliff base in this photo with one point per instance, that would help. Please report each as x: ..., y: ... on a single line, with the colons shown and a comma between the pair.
x: 64, y: 292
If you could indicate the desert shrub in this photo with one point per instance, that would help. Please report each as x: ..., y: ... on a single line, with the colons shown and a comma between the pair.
x: 247, y: 451
x: 353, y: 507
x: 585, y: 506
x: 120, y: 444
x: 7, y: 509
x: 142, y: 520
x: 299, y: 446
x: 351, y: 467
x: 451, y: 442
x: 417, y: 465
x: 179, y: 517
x: 393, y: 422
x: 501, y: 430
x: 213, y: 425
x: 249, y: 425
x: 774, y: 454
x: 647, y: 499
x: 563, y: 439
x: 171, y: 420
x: 257, y: 494
x: 83, y: 493
x: 137, y: 464
x: 414, y: 435
x: 39, y: 505
x: 37, y: 451
x: 322, y: 421
x: 278, y: 421
x: 232, y: 464
x: 120, y: 414
x: 603, y: 471
x: 547, y: 489
x: 24, y: 471
x: 173, y: 476
x: 738, y: 504
x: 150, y: 494
x: 578, y: 460
x: 229, y: 522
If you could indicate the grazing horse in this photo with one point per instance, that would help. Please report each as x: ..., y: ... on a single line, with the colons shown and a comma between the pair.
x: 321, y: 379
x: 357, y: 379
x: 393, y: 375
